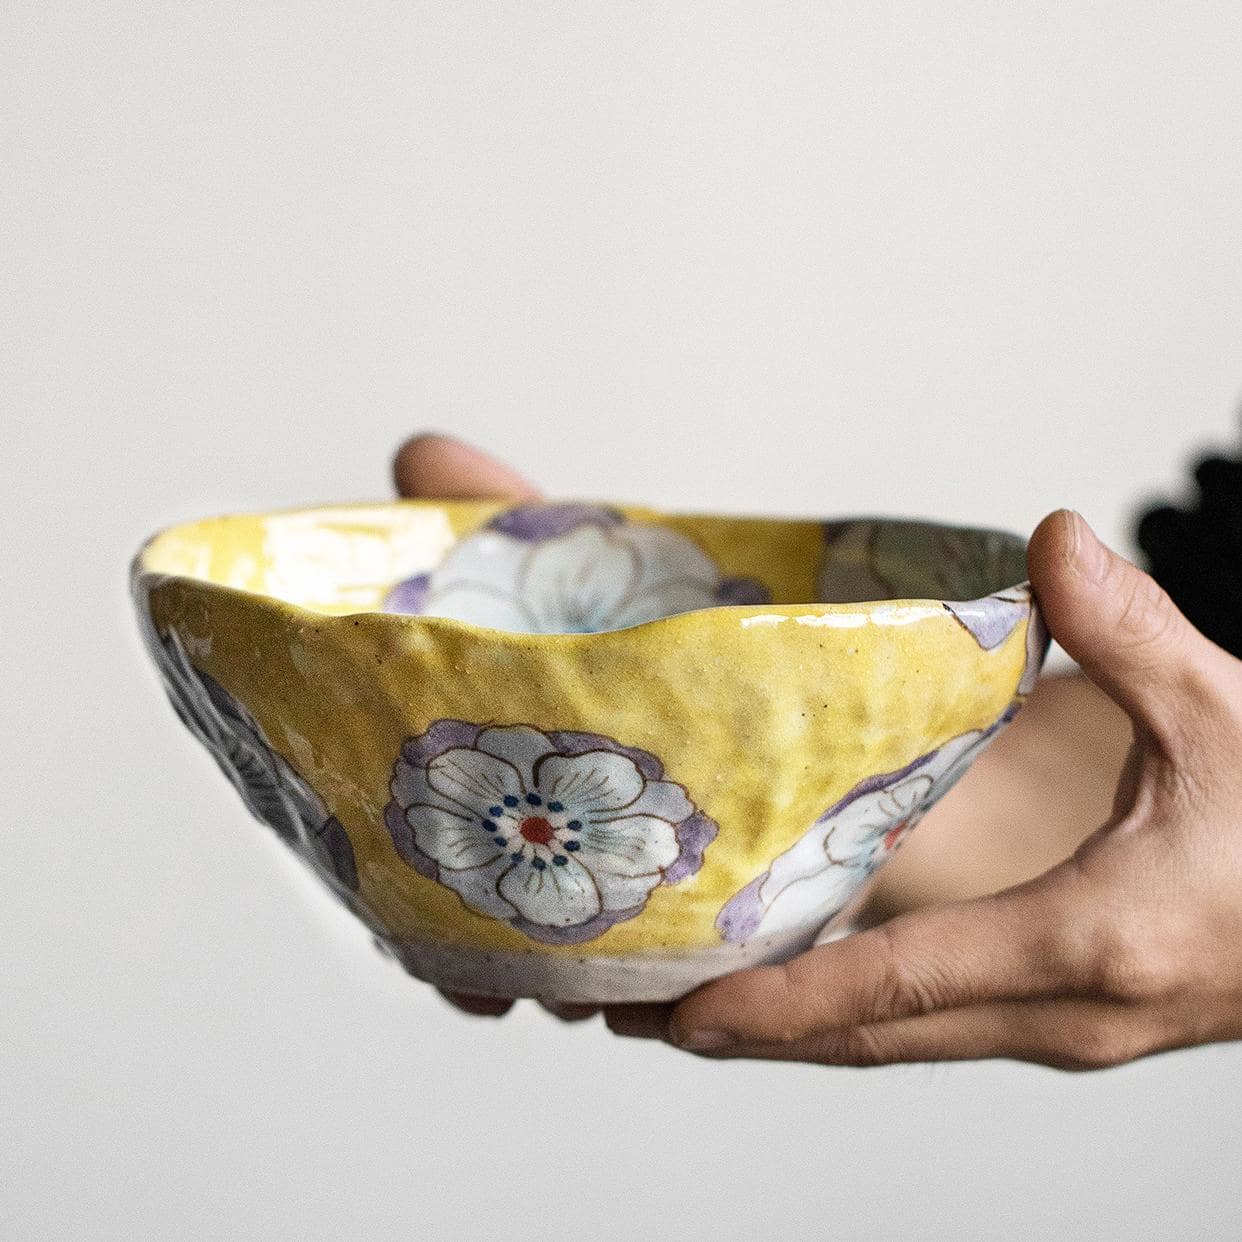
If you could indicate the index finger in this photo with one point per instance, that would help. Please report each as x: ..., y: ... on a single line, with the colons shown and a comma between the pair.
x: 1006, y: 947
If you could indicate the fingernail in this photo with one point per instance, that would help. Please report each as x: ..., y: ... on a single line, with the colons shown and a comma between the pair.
x: 707, y: 1041
x: 1085, y: 551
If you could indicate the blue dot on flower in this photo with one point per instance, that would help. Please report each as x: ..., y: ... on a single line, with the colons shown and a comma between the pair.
x: 534, y: 799
x: 573, y: 845
x: 516, y: 855
x: 574, y: 825
x: 489, y: 825
x: 556, y: 806
x: 510, y: 800
x: 538, y: 864
x: 559, y: 859
x: 495, y: 810
x: 499, y: 840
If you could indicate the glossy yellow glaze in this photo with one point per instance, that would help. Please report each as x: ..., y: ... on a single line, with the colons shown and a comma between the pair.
x: 766, y: 714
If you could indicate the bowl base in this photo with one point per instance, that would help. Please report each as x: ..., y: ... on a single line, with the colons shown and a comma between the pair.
x: 636, y: 978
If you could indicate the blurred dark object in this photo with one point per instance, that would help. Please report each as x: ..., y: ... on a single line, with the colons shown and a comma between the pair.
x: 1196, y: 554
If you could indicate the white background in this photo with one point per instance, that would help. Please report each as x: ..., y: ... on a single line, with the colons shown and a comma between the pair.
x: 971, y: 261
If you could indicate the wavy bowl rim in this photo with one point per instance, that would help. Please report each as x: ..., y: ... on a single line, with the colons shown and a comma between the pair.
x: 144, y: 580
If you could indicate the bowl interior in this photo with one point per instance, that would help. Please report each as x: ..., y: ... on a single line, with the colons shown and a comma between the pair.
x: 578, y: 568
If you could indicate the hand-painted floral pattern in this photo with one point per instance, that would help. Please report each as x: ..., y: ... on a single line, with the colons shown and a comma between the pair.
x: 877, y: 560
x: 570, y: 568
x: 559, y: 834
x: 818, y: 876
x: 872, y: 560
x: 992, y: 619
x: 269, y: 786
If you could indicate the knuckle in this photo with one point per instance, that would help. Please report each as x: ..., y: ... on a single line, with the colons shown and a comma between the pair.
x: 1146, y: 616
x: 1096, y: 1044
x: 900, y: 989
x: 859, y: 1046
x: 1129, y: 968
x: 792, y: 1017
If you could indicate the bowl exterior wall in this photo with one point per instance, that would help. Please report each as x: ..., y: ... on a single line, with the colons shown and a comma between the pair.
x: 707, y: 792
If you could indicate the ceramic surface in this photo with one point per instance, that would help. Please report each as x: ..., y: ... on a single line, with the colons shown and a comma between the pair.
x: 584, y: 752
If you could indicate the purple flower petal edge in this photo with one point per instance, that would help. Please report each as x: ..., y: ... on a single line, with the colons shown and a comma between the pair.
x: 545, y: 521
x: 741, y: 915
x: 993, y: 619
x: 409, y: 595
x: 990, y: 620
x: 694, y: 834
x: 443, y: 735
x: 403, y: 840
x: 571, y: 743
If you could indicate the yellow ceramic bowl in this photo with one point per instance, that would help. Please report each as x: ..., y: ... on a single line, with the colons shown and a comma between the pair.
x: 584, y: 752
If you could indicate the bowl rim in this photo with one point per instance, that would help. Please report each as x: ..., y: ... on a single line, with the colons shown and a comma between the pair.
x: 144, y: 579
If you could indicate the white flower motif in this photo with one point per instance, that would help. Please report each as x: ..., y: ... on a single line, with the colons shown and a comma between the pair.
x: 818, y: 876
x: 579, y: 569
x: 560, y: 835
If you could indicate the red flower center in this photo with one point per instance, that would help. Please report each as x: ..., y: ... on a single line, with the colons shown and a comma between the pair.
x: 536, y: 829
x: 895, y: 834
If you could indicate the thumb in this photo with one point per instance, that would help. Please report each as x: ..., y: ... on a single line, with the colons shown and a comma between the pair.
x: 1117, y: 622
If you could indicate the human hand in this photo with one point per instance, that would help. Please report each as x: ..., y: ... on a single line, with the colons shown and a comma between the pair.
x: 1128, y: 947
